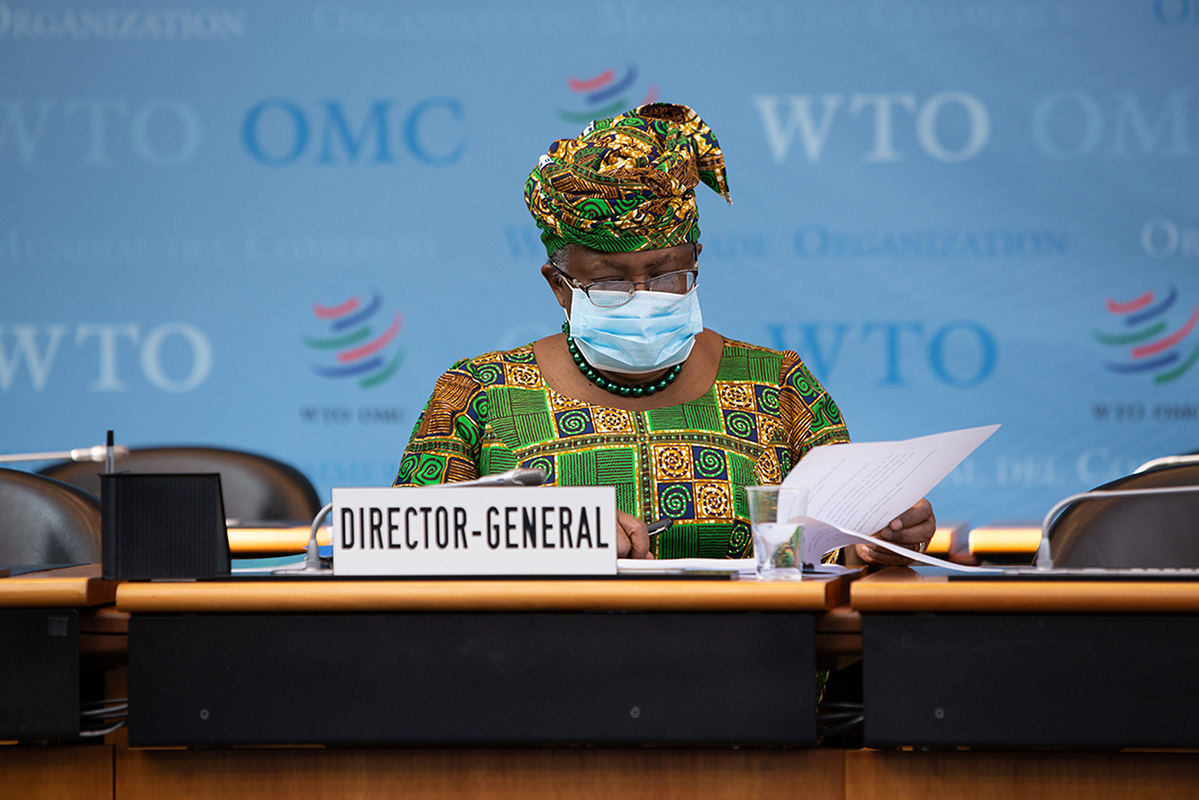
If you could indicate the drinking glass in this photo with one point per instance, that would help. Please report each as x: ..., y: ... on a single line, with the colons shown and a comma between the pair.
x: 776, y: 514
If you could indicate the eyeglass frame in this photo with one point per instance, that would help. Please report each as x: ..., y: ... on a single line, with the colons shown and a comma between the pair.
x: 586, y: 288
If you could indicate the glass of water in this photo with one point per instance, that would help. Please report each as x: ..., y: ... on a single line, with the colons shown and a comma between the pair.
x: 776, y: 514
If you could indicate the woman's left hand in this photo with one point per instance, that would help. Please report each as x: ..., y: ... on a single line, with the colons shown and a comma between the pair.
x: 913, y: 529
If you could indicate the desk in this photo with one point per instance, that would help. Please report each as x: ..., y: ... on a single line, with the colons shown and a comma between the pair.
x: 659, y: 773
x: 274, y: 540
x: 46, y: 629
x: 1007, y: 663
x: 40, y: 645
x: 322, y: 661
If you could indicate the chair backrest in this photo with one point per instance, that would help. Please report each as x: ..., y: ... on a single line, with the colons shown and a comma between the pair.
x: 255, y: 487
x: 1155, y: 531
x: 44, y: 521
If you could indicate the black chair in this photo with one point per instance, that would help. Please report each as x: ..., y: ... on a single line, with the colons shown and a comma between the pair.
x: 255, y: 487
x: 1151, y: 531
x: 46, y: 522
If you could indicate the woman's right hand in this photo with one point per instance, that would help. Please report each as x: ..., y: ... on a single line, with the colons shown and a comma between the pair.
x: 632, y: 538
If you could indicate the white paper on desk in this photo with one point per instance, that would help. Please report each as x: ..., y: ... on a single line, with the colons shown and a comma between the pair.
x: 820, y: 538
x: 856, y: 489
x: 744, y: 567
x: 678, y: 565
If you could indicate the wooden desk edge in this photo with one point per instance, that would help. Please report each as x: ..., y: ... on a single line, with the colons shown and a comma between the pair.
x: 67, y: 587
x: 904, y: 591
x: 815, y: 595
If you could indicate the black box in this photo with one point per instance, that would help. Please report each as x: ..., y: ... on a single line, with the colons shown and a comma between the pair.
x: 163, y: 526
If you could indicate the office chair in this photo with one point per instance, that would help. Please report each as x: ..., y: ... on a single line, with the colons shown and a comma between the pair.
x: 255, y: 487
x: 44, y: 521
x: 1167, y: 461
x: 1152, y: 531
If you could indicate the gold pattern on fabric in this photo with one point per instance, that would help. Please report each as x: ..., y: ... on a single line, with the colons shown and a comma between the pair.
x: 769, y: 474
x: 672, y: 461
x: 612, y: 420
x: 455, y: 391
x: 736, y: 395
x: 713, y: 500
x: 458, y: 470
x: 770, y: 429
x: 522, y: 375
x: 560, y: 401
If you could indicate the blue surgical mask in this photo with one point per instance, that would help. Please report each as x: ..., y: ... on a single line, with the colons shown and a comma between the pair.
x: 652, y: 331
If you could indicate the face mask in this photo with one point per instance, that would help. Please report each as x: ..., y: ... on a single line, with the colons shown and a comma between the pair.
x: 652, y: 331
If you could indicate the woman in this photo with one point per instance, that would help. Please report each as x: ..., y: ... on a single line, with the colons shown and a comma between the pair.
x: 635, y: 393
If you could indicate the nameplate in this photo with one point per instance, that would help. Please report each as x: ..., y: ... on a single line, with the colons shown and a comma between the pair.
x: 479, y: 530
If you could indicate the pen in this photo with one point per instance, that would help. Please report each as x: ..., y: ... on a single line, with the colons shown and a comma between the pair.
x: 655, y: 528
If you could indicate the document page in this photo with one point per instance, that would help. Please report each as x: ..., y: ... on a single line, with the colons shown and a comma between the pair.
x: 744, y: 567
x: 820, y: 538
x: 857, y: 489
x: 863, y: 486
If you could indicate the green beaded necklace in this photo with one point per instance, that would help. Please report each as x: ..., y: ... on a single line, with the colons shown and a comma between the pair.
x: 611, y: 386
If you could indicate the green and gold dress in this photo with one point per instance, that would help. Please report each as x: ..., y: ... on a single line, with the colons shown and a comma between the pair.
x: 689, y: 462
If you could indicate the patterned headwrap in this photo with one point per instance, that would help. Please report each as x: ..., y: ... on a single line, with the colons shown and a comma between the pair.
x: 627, y: 183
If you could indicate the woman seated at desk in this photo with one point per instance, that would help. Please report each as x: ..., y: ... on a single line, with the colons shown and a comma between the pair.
x: 635, y: 393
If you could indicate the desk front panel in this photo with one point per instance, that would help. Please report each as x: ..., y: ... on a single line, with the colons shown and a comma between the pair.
x: 1031, y: 680
x: 39, y: 673
x: 482, y: 678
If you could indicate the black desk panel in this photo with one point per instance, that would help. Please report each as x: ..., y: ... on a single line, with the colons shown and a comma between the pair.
x: 39, y: 673
x: 1031, y: 680
x: 472, y: 678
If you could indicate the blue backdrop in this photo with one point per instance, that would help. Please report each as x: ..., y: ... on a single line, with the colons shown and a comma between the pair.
x: 271, y: 225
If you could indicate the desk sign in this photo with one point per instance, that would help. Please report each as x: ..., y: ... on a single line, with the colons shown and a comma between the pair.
x: 479, y: 530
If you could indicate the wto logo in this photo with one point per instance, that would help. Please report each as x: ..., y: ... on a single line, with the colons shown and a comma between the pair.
x: 603, y: 96
x: 351, y: 347
x: 1153, y: 348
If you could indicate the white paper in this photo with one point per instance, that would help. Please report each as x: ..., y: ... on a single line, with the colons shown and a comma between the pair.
x: 744, y: 567
x: 820, y: 538
x: 855, y: 490
x: 680, y: 565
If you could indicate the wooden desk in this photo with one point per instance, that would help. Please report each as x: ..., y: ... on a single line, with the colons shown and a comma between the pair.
x: 113, y: 770
x: 629, y: 660
x: 276, y: 540
x: 40, y: 632
x: 1010, y: 663
x: 46, y: 638
x: 631, y: 593
x: 69, y: 587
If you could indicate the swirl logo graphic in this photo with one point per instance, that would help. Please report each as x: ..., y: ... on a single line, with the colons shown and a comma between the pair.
x: 357, y: 341
x: 1144, y: 327
x: 604, y: 95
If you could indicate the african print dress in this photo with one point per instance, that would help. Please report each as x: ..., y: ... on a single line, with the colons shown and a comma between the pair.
x: 690, y: 462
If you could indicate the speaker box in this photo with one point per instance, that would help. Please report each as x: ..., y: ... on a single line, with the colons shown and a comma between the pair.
x: 163, y: 526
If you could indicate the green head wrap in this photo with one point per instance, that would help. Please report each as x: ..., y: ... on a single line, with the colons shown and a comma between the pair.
x: 627, y: 183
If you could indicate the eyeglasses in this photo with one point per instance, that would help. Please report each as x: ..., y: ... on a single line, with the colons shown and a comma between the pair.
x: 611, y: 294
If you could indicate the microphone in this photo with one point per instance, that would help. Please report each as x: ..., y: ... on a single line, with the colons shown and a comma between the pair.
x: 1044, y: 554
x: 312, y: 554
x: 521, y: 476
x: 97, y: 454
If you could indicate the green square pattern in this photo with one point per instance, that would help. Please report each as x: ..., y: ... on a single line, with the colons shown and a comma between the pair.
x: 667, y: 419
